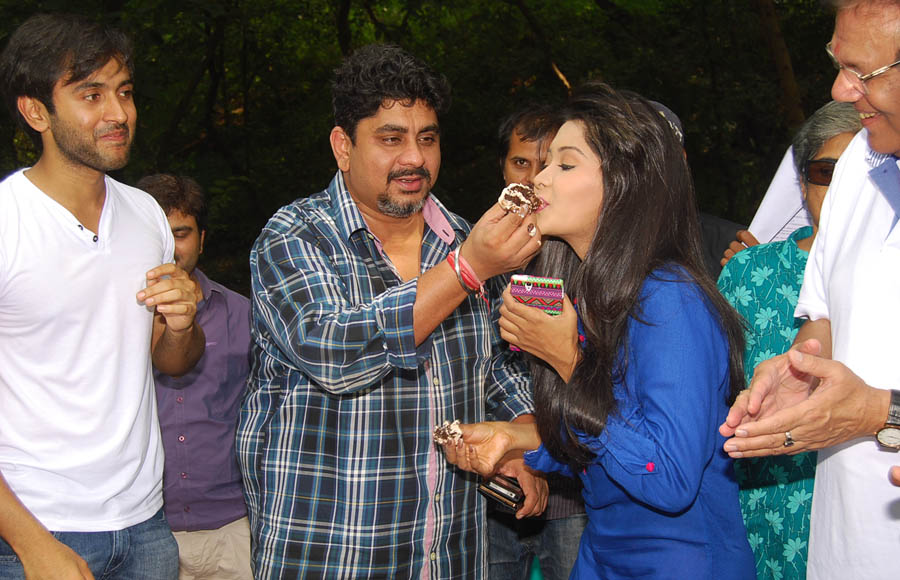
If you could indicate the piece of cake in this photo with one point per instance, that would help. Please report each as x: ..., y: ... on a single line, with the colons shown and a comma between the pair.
x: 448, y: 433
x: 519, y: 198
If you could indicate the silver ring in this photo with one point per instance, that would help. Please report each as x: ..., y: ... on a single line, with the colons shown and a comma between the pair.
x: 788, y: 439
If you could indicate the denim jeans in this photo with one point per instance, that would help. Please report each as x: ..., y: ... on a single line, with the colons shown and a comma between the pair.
x: 145, y: 551
x: 513, y: 544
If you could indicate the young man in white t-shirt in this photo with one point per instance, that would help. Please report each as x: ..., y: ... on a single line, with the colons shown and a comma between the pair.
x: 89, y: 296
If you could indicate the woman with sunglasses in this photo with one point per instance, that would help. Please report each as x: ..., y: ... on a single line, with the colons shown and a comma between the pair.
x: 762, y: 283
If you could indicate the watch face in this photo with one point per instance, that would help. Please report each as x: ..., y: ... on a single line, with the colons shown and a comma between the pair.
x: 889, y: 437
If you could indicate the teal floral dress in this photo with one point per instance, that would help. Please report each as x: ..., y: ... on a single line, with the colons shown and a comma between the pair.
x: 763, y: 283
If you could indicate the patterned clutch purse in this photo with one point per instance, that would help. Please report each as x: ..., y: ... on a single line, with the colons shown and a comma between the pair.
x: 538, y: 292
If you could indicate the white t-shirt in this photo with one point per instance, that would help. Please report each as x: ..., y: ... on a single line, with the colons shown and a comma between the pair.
x: 79, y: 434
x: 853, y: 279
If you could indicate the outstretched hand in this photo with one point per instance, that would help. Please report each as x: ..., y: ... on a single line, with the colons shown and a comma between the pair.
x: 481, y: 448
x: 819, y: 401
x: 776, y: 385
x: 496, y: 447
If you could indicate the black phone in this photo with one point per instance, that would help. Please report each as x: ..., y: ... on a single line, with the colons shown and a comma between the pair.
x: 504, y: 491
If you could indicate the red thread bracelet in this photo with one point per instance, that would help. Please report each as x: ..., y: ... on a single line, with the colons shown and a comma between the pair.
x: 465, y: 274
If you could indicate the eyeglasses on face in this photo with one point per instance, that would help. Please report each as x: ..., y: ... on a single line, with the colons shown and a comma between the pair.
x: 857, y: 80
x: 819, y: 171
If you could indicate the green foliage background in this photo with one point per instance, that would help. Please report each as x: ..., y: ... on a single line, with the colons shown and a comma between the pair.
x: 236, y: 92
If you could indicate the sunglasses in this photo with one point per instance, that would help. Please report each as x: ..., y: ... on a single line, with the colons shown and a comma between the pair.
x: 819, y: 171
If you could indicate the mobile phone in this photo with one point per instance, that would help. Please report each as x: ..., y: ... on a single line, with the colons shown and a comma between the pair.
x: 537, y: 292
x: 504, y: 491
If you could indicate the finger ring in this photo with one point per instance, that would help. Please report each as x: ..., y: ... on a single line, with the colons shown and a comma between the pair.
x: 532, y: 230
x: 788, y: 439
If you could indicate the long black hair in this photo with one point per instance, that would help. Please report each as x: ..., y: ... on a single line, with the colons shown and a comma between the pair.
x: 648, y: 220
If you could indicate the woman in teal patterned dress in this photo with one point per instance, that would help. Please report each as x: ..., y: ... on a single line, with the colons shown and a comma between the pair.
x: 762, y: 283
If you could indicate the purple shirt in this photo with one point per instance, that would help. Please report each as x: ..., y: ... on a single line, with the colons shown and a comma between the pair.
x: 198, y: 415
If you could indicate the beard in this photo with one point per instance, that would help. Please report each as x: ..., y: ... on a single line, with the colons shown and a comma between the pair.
x: 80, y: 149
x: 399, y: 208
x: 403, y: 208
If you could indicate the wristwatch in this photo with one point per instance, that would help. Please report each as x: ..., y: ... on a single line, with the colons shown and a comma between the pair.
x: 889, y: 435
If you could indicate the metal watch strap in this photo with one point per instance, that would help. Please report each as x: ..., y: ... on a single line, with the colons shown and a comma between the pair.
x: 893, y: 417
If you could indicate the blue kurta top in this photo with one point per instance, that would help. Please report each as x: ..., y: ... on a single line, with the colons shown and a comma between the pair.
x: 661, y: 497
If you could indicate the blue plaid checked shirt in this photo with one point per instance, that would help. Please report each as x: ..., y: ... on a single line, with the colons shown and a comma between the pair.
x: 341, y: 476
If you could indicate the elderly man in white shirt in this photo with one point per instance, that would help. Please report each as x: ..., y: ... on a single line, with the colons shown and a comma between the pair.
x: 838, y: 388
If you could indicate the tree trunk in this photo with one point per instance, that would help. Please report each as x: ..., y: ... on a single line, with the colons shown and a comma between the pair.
x: 790, y: 92
x: 343, y: 27
x: 542, y: 41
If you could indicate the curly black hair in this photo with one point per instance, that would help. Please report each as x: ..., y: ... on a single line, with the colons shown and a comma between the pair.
x: 376, y: 73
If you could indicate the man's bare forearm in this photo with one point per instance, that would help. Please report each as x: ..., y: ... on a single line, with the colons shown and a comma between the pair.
x: 818, y: 329
x: 18, y: 527
x: 176, y: 352
x: 42, y: 556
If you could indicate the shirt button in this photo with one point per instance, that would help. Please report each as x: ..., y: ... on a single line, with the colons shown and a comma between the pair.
x: 181, y: 438
x: 179, y: 399
x: 437, y: 497
x: 433, y: 556
x: 436, y: 381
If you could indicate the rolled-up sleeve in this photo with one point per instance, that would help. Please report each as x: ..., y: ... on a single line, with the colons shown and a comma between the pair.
x: 509, y: 389
x: 659, y: 442
x: 307, y: 305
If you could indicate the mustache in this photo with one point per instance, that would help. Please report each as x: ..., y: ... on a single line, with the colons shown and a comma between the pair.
x: 417, y: 172
x: 114, y: 128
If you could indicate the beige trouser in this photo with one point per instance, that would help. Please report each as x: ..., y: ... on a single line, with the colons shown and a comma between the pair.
x: 222, y: 554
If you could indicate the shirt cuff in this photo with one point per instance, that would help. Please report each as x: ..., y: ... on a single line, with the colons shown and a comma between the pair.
x: 633, y: 452
x: 540, y: 459
x: 394, y: 316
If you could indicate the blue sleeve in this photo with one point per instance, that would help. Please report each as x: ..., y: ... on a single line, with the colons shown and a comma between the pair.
x: 541, y: 460
x: 658, y: 445
x: 302, y: 300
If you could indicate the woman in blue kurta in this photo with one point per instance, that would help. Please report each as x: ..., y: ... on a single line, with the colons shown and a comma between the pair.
x: 629, y: 394
x: 763, y: 284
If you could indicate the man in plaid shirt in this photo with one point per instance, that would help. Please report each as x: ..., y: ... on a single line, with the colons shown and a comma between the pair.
x: 366, y: 337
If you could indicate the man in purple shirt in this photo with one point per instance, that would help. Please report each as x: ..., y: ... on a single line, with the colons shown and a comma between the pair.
x: 202, y: 491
